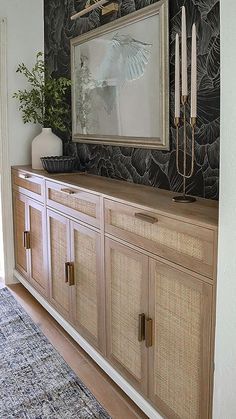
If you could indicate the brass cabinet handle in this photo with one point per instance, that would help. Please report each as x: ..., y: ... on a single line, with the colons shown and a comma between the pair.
x: 26, y: 240
x: 145, y: 217
x: 69, y: 273
x: 24, y: 176
x: 141, y: 327
x: 66, y: 272
x: 68, y: 191
x: 148, y: 332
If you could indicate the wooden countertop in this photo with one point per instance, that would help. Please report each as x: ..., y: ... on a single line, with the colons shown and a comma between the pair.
x: 203, y: 212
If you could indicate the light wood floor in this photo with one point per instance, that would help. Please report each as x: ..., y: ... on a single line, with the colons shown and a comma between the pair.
x: 117, y: 404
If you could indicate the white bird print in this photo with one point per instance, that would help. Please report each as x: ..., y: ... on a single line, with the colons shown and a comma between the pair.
x: 125, y: 60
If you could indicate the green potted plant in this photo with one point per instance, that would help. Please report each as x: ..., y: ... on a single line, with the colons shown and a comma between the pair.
x: 45, y: 103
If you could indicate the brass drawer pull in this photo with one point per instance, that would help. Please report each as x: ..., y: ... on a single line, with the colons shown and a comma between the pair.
x: 26, y: 240
x: 24, y: 176
x: 145, y: 217
x: 66, y: 272
x: 69, y: 273
x: 141, y: 327
x: 148, y: 332
x: 68, y: 191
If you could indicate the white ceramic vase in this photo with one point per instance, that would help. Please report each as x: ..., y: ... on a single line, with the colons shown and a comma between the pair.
x: 45, y: 144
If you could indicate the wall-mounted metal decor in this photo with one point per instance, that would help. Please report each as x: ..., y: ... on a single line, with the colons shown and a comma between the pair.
x: 120, y: 81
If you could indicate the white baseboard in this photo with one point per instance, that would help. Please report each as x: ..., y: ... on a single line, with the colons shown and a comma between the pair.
x: 11, y: 281
x: 119, y: 380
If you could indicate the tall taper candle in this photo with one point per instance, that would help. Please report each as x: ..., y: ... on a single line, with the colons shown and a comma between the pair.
x: 184, y: 55
x: 194, y: 74
x: 177, y: 78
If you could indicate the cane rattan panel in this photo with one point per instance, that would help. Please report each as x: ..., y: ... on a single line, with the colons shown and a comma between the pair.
x: 20, y: 209
x: 188, y: 245
x: 126, y: 292
x: 177, y: 359
x: 84, y: 206
x: 36, y: 246
x: 28, y: 184
x: 58, y: 251
x: 86, y: 281
x: 175, y: 240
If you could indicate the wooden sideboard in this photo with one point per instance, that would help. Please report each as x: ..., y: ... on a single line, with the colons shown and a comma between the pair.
x: 132, y: 272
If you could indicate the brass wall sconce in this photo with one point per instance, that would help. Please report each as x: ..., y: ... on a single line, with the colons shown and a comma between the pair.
x: 106, y: 7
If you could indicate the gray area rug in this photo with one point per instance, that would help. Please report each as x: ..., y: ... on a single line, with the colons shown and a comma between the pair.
x: 35, y: 381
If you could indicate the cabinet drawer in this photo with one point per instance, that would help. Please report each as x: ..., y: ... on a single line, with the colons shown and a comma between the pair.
x: 74, y: 202
x: 28, y: 184
x: 182, y: 243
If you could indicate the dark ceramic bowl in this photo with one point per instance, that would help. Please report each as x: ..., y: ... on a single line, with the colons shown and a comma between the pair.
x: 58, y: 164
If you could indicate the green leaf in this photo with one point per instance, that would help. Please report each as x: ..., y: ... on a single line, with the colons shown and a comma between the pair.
x: 45, y: 101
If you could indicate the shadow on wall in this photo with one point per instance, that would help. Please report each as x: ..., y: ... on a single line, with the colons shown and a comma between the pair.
x: 150, y: 167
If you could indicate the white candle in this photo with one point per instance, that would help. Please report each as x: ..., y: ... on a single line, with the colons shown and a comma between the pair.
x: 194, y: 74
x: 184, y: 54
x: 177, y: 78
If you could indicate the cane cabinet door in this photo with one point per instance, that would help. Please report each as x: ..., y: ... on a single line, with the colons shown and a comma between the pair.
x: 38, y: 249
x: 20, y: 231
x: 179, y: 358
x: 59, y: 258
x: 126, y: 307
x: 87, y: 293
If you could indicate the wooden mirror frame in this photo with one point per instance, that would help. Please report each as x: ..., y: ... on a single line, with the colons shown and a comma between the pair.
x: 160, y: 8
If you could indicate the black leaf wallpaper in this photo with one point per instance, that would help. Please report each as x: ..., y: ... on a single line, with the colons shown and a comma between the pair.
x: 150, y: 167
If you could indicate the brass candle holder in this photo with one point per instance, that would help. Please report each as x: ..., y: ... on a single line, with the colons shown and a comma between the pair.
x: 184, y: 173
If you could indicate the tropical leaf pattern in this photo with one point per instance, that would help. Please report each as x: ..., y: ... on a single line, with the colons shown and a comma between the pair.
x: 150, y: 167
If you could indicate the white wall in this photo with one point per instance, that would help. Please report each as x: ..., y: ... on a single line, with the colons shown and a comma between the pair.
x: 24, y: 39
x: 225, y: 358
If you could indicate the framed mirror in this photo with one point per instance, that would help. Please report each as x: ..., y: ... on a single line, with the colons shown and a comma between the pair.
x: 120, y: 81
